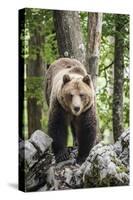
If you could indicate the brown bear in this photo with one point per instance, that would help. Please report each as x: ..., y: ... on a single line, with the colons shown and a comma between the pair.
x: 70, y: 96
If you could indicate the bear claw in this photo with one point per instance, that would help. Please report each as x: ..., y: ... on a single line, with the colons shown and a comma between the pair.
x: 62, y: 156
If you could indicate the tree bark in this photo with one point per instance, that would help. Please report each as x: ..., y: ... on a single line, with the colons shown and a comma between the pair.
x: 93, y: 51
x: 93, y: 45
x: 69, y: 36
x: 118, y: 79
x: 34, y: 69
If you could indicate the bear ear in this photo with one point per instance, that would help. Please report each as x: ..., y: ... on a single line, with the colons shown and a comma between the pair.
x: 66, y: 78
x: 87, y: 79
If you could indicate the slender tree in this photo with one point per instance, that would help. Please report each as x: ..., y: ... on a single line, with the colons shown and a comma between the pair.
x: 69, y: 36
x: 35, y: 68
x: 118, y: 77
x: 93, y: 50
x: 93, y: 44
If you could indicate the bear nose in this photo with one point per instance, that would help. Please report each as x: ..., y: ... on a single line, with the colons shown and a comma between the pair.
x: 76, y: 108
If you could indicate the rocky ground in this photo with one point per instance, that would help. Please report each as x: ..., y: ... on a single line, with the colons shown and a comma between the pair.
x: 106, y: 165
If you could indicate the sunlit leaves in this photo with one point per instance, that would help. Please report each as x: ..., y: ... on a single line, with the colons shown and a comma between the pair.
x: 34, y: 88
x: 106, y: 67
x: 41, y: 20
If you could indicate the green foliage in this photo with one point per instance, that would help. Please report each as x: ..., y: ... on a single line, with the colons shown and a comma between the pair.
x: 40, y: 22
x: 84, y: 25
x: 39, y: 26
x: 106, y: 64
x: 50, y: 46
x: 34, y: 88
x: 44, y: 120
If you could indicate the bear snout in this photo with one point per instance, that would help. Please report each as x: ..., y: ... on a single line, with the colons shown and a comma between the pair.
x: 76, y: 108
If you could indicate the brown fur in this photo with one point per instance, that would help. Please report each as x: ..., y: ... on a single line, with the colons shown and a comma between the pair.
x: 65, y: 65
x: 68, y: 87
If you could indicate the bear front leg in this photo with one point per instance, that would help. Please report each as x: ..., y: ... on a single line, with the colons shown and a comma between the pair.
x: 57, y: 129
x: 86, y: 133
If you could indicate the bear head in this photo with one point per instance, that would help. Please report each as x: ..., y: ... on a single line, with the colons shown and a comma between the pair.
x: 77, y: 93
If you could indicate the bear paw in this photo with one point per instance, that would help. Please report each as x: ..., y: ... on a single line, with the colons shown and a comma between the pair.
x: 62, y: 156
x: 80, y: 160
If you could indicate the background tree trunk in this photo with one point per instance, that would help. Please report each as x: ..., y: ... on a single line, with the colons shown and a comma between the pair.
x: 93, y: 51
x: 93, y: 45
x: 34, y: 69
x: 118, y: 78
x: 69, y: 36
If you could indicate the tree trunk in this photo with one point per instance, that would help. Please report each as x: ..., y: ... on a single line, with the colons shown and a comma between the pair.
x: 93, y: 50
x: 34, y: 69
x: 93, y: 46
x: 68, y: 33
x: 118, y: 79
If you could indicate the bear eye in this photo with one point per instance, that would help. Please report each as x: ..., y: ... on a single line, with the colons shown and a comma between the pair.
x: 71, y: 95
x: 82, y: 95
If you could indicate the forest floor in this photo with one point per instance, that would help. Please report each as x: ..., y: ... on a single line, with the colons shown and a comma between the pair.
x: 106, y: 165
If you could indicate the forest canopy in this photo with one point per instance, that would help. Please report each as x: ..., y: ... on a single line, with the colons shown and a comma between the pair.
x: 103, y: 38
